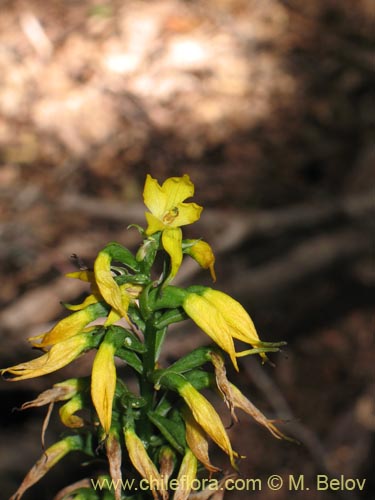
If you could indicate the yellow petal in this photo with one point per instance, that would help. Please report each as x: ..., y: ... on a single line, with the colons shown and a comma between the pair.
x: 176, y: 190
x: 241, y: 401
x: 59, y: 392
x: 90, y: 299
x: 49, y: 458
x: 61, y: 354
x: 114, y: 455
x: 167, y: 459
x: 66, y: 328
x: 197, y: 442
x: 223, y: 383
x: 210, y: 320
x: 185, y: 213
x: 154, y: 224
x: 114, y: 315
x: 87, y: 276
x: 235, y: 315
x: 206, y: 416
x: 154, y: 197
x: 186, y: 476
x: 108, y: 287
x: 203, y: 254
x: 103, y: 383
x: 143, y: 463
x: 172, y: 244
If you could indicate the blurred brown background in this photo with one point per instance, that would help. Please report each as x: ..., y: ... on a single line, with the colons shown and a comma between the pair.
x: 268, y: 106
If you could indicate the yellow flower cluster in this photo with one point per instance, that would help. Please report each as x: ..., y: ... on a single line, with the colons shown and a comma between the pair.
x: 129, y: 293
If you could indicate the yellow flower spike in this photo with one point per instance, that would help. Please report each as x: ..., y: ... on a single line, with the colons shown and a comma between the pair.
x: 186, y: 476
x: 209, y: 318
x: 60, y: 355
x: 143, y: 463
x: 67, y: 411
x: 202, y: 253
x: 49, y: 458
x: 103, y: 383
x: 206, y: 416
x: 196, y: 440
x: 108, y: 287
x: 68, y: 327
x: 114, y: 455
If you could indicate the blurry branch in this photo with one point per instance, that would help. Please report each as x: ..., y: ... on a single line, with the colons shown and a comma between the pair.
x: 302, y: 433
x: 311, y: 256
x: 36, y: 35
x: 263, y: 222
x: 228, y: 230
x: 38, y: 306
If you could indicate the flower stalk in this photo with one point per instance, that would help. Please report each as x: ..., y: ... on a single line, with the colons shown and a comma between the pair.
x: 159, y: 430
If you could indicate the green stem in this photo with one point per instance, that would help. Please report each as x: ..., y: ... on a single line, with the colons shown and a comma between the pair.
x: 146, y: 384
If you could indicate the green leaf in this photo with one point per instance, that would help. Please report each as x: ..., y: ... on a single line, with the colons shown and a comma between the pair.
x: 199, y: 379
x: 159, y: 339
x: 136, y: 317
x: 170, y: 297
x: 194, y: 359
x: 130, y: 358
x: 173, y: 431
x: 170, y: 317
x: 133, y: 279
x: 83, y: 494
x: 125, y: 338
x: 147, y: 252
x: 121, y: 254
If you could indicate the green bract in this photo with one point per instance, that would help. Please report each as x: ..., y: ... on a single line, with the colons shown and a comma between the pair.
x: 158, y: 428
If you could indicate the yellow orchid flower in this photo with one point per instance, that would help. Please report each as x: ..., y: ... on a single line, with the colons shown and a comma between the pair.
x: 168, y: 213
x: 186, y: 476
x: 166, y: 203
x: 103, y: 383
x: 60, y: 355
x: 143, y: 463
x: 206, y: 416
